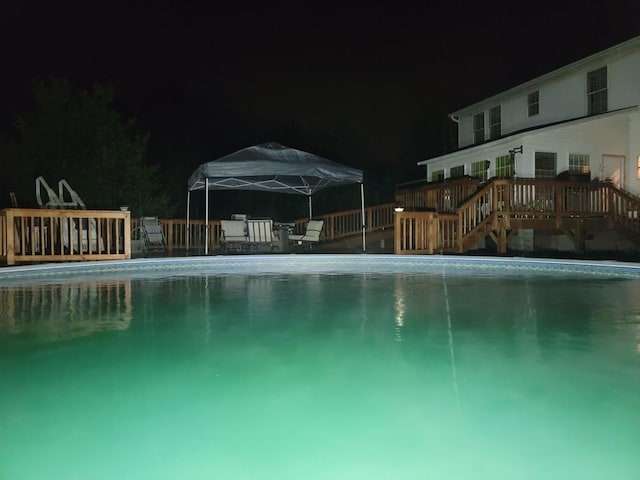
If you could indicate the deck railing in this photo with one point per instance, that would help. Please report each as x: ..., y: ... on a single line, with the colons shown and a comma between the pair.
x: 37, y: 235
x: 415, y: 232
x: 491, y: 209
x: 336, y: 226
x: 442, y: 196
x: 348, y: 223
x: 176, y: 233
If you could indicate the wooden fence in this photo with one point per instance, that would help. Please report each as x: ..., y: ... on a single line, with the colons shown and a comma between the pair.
x: 38, y: 235
x: 438, y: 218
x: 336, y: 226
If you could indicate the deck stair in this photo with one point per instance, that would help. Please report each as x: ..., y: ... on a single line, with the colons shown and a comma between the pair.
x: 499, y: 208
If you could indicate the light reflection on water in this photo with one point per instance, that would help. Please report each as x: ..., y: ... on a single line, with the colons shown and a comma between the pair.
x: 321, y: 376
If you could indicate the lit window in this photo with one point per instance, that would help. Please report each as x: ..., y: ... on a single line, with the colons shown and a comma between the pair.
x: 495, y: 115
x: 533, y: 103
x: 505, y: 166
x: 597, y: 91
x: 478, y: 127
x: 480, y: 170
x: 578, y: 163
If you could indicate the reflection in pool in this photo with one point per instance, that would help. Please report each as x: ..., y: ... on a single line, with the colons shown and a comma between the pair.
x: 441, y: 374
x: 65, y: 310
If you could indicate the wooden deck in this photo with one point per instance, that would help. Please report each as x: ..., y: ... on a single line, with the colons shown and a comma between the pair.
x: 60, y: 235
x: 341, y: 230
x: 443, y: 217
x: 454, y: 223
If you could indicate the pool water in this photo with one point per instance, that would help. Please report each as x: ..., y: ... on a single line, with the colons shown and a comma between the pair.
x: 317, y: 376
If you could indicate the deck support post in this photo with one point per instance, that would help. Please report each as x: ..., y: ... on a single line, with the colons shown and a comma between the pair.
x: 11, y: 237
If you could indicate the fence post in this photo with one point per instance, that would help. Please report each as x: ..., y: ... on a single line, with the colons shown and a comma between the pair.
x: 611, y: 207
x: 11, y: 249
x: 170, y: 235
x: 397, y: 233
x: 460, y: 239
x: 430, y: 235
x: 127, y: 235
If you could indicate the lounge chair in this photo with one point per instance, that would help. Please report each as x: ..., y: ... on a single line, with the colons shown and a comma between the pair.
x: 234, y: 235
x: 311, y: 234
x: 152, y: 235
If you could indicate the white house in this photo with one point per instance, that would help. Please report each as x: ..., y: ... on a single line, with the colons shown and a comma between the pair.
x: 583, y: 117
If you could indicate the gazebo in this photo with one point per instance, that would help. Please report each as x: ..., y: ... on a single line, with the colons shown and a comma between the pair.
x: 275, y: 168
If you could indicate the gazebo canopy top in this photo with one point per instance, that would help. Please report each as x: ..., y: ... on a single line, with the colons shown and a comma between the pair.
x: 273, y: 167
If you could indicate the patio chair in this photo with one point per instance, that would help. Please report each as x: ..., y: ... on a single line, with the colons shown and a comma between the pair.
x: 311, y: 234
x: 260, y: 232
x: 152, y: 235
x: 234, y: 235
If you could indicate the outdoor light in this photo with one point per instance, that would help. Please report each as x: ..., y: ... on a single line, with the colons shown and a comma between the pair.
x: 515, y: 150
x: 398, y: 208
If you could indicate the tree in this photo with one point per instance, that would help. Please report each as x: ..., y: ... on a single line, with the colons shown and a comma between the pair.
x: 78, y: 135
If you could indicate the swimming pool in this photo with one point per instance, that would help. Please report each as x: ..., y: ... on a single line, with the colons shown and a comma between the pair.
x: 320, y: 367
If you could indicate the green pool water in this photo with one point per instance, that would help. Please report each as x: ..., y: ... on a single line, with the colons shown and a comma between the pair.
x: 344, y: 376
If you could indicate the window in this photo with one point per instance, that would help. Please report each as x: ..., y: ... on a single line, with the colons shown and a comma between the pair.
x: 533, y: 102
x: 456, y: 171
x: 480, y: 170
x: 545, y: 164
x: 437, y: 175
x: 597, y: 91
x: 495, y: 115
x: 578, y: 163
x: 505, y: 166
x: 478, y: 128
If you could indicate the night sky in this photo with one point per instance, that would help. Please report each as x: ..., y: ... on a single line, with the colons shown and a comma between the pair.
x: 365, y: 85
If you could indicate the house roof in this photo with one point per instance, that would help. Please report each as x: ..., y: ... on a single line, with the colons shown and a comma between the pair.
x: 620, y: 49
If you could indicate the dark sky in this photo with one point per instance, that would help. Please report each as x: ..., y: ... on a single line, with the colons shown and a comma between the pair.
x: 346, y: 79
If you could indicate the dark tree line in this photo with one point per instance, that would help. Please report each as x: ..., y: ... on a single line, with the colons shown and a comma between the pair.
x: 77, y: 135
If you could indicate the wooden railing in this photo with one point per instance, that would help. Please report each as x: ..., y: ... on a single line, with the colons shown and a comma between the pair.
x: 443, y: 196
x: 37, y: 235
x: 625, y: 211
x: 348, y: 223
x: 415, y: 232
x: 176, y: 233
x: 493, y: 209
x: 336, y: 226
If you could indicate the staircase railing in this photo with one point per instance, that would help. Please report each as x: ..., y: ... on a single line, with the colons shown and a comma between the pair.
x: 625, y: 211
x: 492, y: 208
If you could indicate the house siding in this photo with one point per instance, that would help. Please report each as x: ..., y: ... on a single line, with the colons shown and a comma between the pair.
x: 624, y: 76
x: 563, y: 126
x: 561, y: 98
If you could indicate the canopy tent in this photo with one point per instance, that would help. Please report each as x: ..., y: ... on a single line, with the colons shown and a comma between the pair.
x: 272, y: 167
